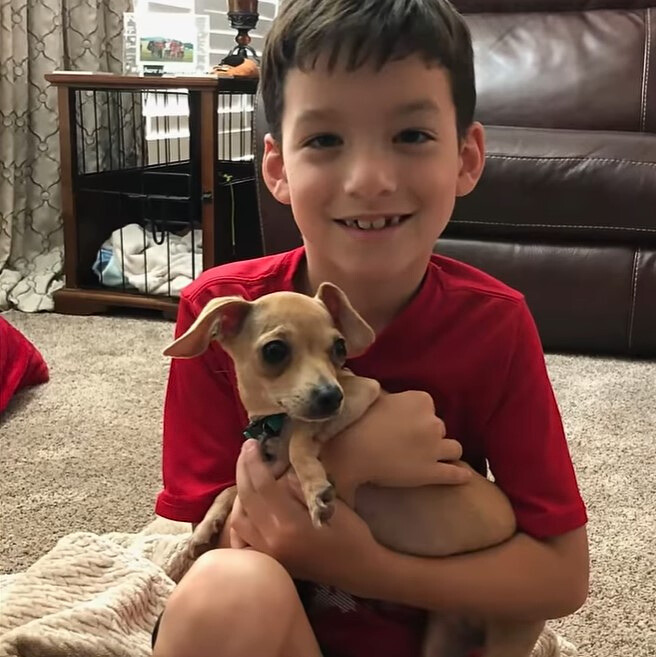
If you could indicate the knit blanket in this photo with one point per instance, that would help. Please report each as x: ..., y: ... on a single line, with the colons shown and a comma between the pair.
x: 99, y: 596
x: 93, y: 595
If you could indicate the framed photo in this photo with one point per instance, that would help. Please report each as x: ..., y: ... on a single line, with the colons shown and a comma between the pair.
x: 176, y: 44
x: 168, y: 39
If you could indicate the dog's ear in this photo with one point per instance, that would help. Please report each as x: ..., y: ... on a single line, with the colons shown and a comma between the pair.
x: 220, y: 319
x: 358, y: 334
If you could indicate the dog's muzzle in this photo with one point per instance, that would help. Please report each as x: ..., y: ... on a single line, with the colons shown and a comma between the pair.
x: 325, y: 401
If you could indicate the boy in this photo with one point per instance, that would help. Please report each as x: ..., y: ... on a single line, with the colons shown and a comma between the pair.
x: 370, y: 104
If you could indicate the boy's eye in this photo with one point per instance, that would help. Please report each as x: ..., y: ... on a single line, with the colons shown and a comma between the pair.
x: 324, y: 141
x: 413, y: 137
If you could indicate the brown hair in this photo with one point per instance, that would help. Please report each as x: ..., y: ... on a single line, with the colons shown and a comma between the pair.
x: 367, y: 31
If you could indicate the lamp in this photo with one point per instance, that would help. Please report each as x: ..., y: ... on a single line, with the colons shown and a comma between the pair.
x: 243, y: 17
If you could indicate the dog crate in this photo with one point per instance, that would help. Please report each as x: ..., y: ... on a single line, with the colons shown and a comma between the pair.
x: 157, y: 185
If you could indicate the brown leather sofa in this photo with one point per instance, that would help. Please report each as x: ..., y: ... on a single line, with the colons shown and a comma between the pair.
x: 566, y: 208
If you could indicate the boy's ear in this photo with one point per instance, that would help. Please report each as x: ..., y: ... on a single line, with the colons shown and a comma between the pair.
x: 472, y: 159
x: 273, y: 170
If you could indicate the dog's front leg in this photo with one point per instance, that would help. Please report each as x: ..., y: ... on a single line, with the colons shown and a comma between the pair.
x: 303, y: 455
x: 207, y: 533
x: 359, y: 394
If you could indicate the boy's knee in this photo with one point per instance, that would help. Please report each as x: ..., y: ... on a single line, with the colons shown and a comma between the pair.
x: 233, y: 577
x: 245, y: 566
x: 216, y: 601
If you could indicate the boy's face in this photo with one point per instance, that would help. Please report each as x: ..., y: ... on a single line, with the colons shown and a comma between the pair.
x: 371, y: 164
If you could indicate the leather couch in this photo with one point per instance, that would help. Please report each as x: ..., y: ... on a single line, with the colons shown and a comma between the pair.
x: 566, y: 209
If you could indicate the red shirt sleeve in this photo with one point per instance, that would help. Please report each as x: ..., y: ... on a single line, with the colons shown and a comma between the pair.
x: 203, y: 424
x: 525, y: 442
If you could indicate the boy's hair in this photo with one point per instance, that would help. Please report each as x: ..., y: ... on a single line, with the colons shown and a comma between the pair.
x: 360, y: 32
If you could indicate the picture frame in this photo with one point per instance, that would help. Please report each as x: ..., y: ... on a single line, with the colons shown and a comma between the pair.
x: 165, y: 43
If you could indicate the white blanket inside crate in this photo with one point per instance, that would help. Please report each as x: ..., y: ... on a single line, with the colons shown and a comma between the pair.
x: 132, y: 253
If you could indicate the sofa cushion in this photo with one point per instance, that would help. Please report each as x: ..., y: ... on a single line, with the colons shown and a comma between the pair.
x: 589, y: 298
x: 580, y: 70
x: 576, y: 184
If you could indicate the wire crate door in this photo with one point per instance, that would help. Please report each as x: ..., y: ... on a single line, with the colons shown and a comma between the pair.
x: 144, y: 188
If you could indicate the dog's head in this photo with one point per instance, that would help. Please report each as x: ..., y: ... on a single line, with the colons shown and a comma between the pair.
x: 287, y: 348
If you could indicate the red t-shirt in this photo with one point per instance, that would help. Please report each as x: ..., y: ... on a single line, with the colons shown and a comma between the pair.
x: 466, y: 339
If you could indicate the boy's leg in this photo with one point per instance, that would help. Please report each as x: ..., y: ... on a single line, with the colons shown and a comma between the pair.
x: 233, y: 603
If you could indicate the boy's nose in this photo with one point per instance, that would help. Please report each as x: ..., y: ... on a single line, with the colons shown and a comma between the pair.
x: 370, y: 176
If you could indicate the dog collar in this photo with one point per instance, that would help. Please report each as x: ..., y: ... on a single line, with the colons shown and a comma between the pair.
x: 269, y: 426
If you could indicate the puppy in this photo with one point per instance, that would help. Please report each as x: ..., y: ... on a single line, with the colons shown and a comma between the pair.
x: 289, y: 352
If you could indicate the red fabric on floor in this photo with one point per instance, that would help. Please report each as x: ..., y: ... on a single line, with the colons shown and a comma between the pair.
x: 21, y: 364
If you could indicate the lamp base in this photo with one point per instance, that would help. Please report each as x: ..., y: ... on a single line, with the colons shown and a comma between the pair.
x: 243, y: 22
x: 247, y: 52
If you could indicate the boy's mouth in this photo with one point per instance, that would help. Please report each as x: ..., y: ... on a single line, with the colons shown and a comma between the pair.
x: 374, y: 223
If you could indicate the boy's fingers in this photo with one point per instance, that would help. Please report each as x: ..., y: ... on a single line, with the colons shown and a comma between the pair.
x: 260, y: 495
x: 235, y: 541
x: 436, y: 473
x: 447, y: 473
x: 252, y: 482
x: 242, y: 531
x: 295, y: 486
x: 450, y: 450
x: 253, y: 474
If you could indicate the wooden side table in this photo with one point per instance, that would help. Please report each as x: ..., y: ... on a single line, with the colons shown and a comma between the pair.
x: 180, y: 178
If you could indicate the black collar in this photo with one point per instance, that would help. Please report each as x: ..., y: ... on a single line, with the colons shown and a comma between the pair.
x: 269, y: 426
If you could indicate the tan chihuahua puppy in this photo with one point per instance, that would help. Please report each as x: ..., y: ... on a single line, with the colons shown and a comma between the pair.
x: 289, y: 352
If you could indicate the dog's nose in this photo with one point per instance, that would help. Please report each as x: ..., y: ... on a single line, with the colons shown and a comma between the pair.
x: 325, y: 400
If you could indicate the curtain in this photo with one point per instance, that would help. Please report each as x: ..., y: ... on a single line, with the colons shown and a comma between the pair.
x: 36, y: 38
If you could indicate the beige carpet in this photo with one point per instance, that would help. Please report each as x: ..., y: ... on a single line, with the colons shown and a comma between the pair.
x: 82, y: 453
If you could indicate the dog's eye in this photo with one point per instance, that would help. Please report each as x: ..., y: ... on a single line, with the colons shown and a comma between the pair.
x: 275, y: 352
x: 339, y: 349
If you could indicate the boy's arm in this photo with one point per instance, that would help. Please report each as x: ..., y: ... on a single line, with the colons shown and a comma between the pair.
x: 524, y: 578
x: 542, y: 572
x: 202, y: 429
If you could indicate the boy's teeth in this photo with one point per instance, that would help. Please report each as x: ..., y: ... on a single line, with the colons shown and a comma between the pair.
x: 375, y: 224
x: 365, y: 225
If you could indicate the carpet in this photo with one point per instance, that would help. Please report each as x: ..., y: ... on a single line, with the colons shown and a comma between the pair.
x: 81, y: 453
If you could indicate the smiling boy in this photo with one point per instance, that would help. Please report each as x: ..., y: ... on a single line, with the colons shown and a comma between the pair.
x: 370, y: 104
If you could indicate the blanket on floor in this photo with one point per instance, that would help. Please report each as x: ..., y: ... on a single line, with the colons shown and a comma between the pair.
x: 92, y: 595
x: 99, y: 596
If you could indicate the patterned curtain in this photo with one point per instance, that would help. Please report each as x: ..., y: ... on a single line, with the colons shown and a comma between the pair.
x: 36, y: 38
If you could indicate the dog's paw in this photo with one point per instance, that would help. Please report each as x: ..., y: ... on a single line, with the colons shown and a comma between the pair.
x: 323, y: 505
x: 197, y: 547
x: 205, y: 538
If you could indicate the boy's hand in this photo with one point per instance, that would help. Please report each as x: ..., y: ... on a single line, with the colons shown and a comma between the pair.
x: 398, y: 442
x: 270, y: 516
